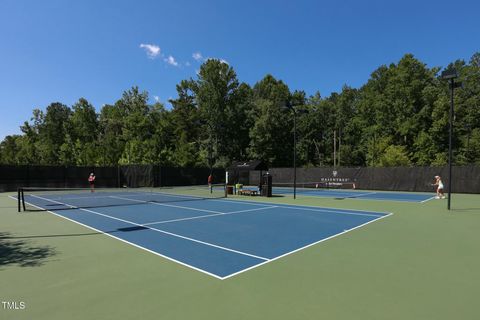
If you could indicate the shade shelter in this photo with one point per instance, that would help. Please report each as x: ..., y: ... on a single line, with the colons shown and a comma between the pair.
x: 239, y: 172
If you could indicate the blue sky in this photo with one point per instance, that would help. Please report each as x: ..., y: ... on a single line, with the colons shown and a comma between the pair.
x: 62, y: 50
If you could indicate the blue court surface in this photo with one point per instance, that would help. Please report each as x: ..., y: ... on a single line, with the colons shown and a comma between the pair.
x: 219, y: 237
x: 357, y: 194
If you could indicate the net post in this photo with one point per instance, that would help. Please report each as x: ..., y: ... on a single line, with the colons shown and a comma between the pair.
x: 19, y: 200
x: 226, y: 184
x: 23, y: 199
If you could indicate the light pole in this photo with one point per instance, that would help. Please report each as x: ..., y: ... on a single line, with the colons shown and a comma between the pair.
x: 294, y: 153
x: 289, y: 106
x: 450, y: 75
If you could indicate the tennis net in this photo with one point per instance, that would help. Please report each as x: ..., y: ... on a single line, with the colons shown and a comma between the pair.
x: 43, y: 199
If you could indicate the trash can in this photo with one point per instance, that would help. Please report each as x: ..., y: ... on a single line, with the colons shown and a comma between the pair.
x: 266, y: 185
x: 229, y: 189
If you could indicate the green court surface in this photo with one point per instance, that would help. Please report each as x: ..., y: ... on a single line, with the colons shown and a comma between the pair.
x: 422, y: 262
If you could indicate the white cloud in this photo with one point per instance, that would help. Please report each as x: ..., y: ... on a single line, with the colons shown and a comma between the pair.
x: 171, y: 61
x: 157, y: 98
x: 197, y: 56
x: 152, y: 50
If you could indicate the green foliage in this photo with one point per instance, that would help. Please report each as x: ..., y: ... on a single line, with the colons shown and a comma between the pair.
x: 9, y: 148
x: 440, y: 159
x: 216, y: 92
x: 394, y: 156
x: 473, y: 149
x: 270, y: 136
x: 425, y: 149
x: 400, y: 117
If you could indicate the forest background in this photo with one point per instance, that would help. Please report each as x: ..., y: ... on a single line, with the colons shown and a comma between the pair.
x: 398, y: 118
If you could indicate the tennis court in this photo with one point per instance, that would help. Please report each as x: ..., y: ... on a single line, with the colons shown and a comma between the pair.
x: 57, y: 266
x: 219, y: 237
x: 356, y: 194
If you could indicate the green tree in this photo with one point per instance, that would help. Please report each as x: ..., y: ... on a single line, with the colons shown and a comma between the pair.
x: 110, y: 139
x: 52, y: 133
x: 138, y: 127
x: 216, y: 93
x: 398, y: 117
x: 314, y: 142
x: 271, y: 134
x: 186, y: 126
x: 467, y: 109
x: 28, y: 153
x: 241, y: 122
x: 394, y: 156
x: 474, y: 147
x: 9, y: 149
x: 80, y: 145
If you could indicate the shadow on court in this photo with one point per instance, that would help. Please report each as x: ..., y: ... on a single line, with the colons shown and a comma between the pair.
x: 17, y: 250
x: 22, y: 253
x: 3, y: 237
x: 7, y: 237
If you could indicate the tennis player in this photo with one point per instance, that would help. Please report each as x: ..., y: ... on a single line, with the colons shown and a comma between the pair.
x: 210, y: 180
x: 91, y: 180
x: 439, y: 184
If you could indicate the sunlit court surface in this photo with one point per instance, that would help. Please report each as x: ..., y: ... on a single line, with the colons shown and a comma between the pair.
x: 221, y: 238
x: 103, y: 249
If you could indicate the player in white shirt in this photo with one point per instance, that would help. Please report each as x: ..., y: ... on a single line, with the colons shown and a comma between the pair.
x: 439, y: 184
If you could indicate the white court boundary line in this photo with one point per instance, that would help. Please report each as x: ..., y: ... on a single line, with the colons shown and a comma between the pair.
x: 254, y: 203
x: 266, y: 260
x: 337, y: 210
x: 304, y: 247
x: 324, y: 210
x: 90, y: 195
x: 126, y: 241
x: 218, y: 212
x: 362, y: 194
x: 80, y: 198
x: 433, y: 197
x: 311, y: 208
x: 312, y: 193
x: 333, y: 211
x: 157, y: 230
x: 166, y: 205
x: 365, y: 199
x: 208, y: 216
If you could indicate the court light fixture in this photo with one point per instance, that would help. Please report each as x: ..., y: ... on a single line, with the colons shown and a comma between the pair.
x: 448, y: 74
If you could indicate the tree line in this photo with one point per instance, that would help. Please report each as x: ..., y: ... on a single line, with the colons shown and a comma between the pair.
x: 398, y: 118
